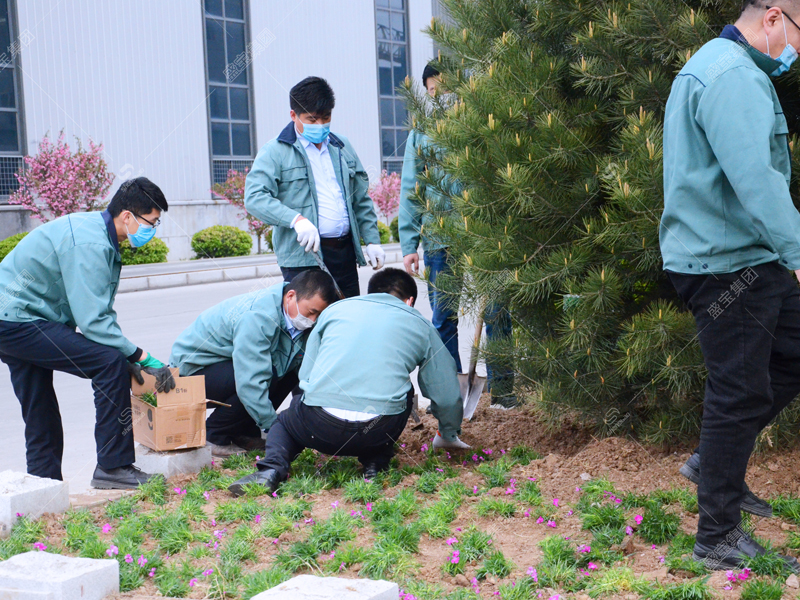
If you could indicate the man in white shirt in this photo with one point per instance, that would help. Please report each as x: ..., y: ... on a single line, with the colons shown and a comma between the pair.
x: 310, y: 185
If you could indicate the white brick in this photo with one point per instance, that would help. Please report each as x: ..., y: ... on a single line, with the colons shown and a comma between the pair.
x: 309, y: 587
x: 240, y: 273
x: 173, y: 463
x: 31, y: 496
x: 45, y: 576
x: 159, y: 282
x: 200, y: 277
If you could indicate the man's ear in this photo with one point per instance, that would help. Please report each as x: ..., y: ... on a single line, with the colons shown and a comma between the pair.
x: 410, y: 301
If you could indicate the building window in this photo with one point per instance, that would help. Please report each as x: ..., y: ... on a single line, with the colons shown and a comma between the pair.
x: 391, y: 17
x: 228, y: 74
x: 11, y: 123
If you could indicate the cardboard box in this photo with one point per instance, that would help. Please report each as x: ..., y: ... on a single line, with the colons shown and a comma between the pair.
x: 179, y: 420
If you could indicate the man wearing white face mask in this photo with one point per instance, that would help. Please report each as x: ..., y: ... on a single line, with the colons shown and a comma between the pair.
x: 249, y: 348
x: 730, y: 237
x: 310, y: 185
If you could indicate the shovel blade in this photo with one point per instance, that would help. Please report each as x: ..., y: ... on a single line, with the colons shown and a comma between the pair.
x: 471, y: 394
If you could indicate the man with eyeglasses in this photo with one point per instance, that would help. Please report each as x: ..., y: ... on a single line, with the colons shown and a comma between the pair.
x: 730, y: 237
x: 62, y: 276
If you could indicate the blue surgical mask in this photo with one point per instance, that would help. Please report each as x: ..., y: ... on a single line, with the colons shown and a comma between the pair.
x: 787, y: 57
x: 144, y: 234
x: 316, y: 133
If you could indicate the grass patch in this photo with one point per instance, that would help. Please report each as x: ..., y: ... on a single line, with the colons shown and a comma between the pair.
x: 659, y: 526
x: 495, y: 564
x: 771, y: 563
x: 762, y: 589
x: 523, y: 455
x: 495, y: 473
x: 603, y: 515
x: 495, y: 506
x: 689, y: 590
x: 435, y: 519
x: 529, y: 493
x: 361, y: 490
x: 302, y: 485
x: 154, y: 490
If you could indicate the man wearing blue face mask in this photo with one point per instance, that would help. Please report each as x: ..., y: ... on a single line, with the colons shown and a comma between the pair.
x: 730, y: 237
x: 310, y: 185
x: 62, y: 276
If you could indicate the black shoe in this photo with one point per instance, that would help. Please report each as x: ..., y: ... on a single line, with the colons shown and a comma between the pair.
x: 505, y: 402
x: 372, y: 469
x: 122, y: 478
x: 269, y: 478
x: 250, y: 443
x: 750, y: 503
x: 734, y: 554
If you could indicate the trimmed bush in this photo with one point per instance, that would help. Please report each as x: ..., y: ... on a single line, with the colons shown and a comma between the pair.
x: 394, y: 228
x: 384, y: 232
x: 8, y: 244
x: 220, y: 241
x: 154, y: 251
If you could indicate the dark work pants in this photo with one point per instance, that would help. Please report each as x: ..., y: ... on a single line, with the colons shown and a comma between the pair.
x: 748, y: 324
x: 340, y: 257
x: 303, y: 426
x: 226, y: 424
x: 32, y: 352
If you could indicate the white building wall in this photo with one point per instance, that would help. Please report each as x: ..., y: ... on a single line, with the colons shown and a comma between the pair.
x: 343, y: 51
x: 420, y: 13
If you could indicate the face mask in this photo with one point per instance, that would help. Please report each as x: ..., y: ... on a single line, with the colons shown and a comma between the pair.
x: 316, y: 133
x: 787, y: 57
x: 300, y: 322
x: 144, y: 234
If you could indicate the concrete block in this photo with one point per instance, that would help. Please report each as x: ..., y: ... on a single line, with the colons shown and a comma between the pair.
x: 240, y: 273
x: 23, y: 494
x: 309, y: 587
x: 200, y: 277
x: 176, y: 462
x: 132, y: 284
x: 43, y: 575
x: 159, y: 282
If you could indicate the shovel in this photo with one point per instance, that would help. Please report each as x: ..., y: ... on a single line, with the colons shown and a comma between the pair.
x: 472, y: 384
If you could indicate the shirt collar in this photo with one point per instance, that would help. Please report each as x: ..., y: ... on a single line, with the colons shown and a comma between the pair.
x: 112, y: 230
x: 306, y: 143
x: 762, y: 61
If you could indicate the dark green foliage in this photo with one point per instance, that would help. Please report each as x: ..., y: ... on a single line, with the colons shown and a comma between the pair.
x: 529, y: 493
x: 761, y: 589
x: 770, y: 563
x: 258, y: 582
x: 394, y: 228
x: 495, y: 473
x: 495, y: 564
x: 604, y: 515
x: 8, y: 244
x: 302, y: 485
x: 24, y: 533
x: 361, y: 490
x: 690, y: 590
x: 327, y: 535
x: 385, y: 232
x: 154, y: 251
x: 154, y: 490
x: 495, y: 506
x: 523, y: 455
x: 658, y: 526
x: 220, y: 241
x: 429, y: 482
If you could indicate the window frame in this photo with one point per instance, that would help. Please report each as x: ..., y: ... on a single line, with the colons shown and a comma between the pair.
x: 19, y: 97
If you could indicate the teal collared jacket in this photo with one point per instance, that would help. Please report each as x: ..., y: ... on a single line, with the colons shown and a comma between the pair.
x: 727, y: 166
x: 413, y: 217
x: 360, y: 356
x: 66, y: 271
x: 251, y: 331
x: 281, y: 185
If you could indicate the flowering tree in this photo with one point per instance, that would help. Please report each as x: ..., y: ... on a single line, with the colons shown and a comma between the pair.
x: 232, y: 191
x: 58, y: 181
x: 386, y: 194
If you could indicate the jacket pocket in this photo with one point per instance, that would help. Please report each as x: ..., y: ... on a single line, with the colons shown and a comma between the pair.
x: 781, y: 155
x: 294, y: 187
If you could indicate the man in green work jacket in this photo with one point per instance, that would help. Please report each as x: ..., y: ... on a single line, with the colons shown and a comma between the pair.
x: 249, y: 348
x: 64, y: 275
x: 309, y: 184
x: 357, y: 387
x: 730, y: 237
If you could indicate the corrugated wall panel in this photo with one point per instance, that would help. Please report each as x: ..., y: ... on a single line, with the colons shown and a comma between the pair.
x: 128, y: 73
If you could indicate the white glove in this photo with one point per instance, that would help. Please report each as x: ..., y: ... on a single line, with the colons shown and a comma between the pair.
x: 307, y: 234
x: 440, y: 442
x: 375, y: 256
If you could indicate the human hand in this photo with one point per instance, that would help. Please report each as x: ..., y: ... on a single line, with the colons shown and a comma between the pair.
x: 307, y: 234
x: 411, y: 263
x: 375, y: 256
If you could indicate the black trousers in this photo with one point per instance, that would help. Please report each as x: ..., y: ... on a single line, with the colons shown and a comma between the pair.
x: 339, y: 255
x: 225, y: 424
x: 302, y: 426
x: 32, y: 352
x: 748, y: 324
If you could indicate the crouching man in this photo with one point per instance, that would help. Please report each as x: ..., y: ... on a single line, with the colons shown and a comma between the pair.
x: 249, y: 348
x: 357, y: 390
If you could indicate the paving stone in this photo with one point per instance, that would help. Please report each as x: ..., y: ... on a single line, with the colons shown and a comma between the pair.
x: 23, y: 494
x: 48, y: 576
x: 309, y: 587
x: 93, y: 498
x: 175, y: 462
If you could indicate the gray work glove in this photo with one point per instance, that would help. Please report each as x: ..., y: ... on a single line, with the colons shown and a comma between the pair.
x: 135, y: 371
x: 164, y: 380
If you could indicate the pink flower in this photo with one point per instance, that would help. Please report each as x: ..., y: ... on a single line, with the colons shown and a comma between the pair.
x: 591, y: 566
x: 629, y: 530
x: 193, y: 582
x: 207, y: 572
x: 533, y: 574
x: 475, y: 587
x: 569, y: 514
x: 475, y: 458
x: 152, y: 572
x: 510, y: 491
x: 638, y: 519
x: 654, y: 546
x: 309, y: 521
x: 369, y: 506
x: 206, y: 495
x: 486, y: 451
x: 451, y: 541
x: 502, y: 451
x: 112, y: 551
x: 424, y: 448
x: 540, y: 520
x: 142, y: 561
x: 386, y: 193
x: 474, y: 489
x: 577, y: 489
x: 179, y: 491
x: 455, y: 558
x: 552, y: 524
x: 40, y: 546
x: 744, y: 574
x: 402, y: 445
x: 106, y: 527
x: 555, y: 502
x: 213, y: 522
x: 275, y: 494
x: 20, y: 514
x: 128, y: 558
x: 584, y: 548
x: 258, y: 519
x: 440, y: 470
x: 527, y: 513
x: 275, y: 541
x: 258, y: 458
x: 531, y: 478
x: 335, y: 504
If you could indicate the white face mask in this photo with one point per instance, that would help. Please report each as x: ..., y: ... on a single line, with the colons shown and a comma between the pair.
x: 300, y: 322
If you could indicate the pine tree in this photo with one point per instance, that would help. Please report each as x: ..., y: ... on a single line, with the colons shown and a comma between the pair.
x: 555, y: 142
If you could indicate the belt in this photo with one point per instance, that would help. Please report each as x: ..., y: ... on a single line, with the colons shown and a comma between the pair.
x: 338, y: 242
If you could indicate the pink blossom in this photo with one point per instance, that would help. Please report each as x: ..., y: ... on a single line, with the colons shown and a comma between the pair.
x: 455, y: 558
x: 451, y: 541
x: 475, y: 587
x: 424, y: 448
x: 386, y: 193
x: 258, y: 519
x: 744, y: 574
x: 487, y: 451
x: 141, y: 561
x: 112, y: 551
x: 510, y: 491
x: 584, y: 548
x: 474, y: 489
x: 335, y: 504
x: 20, y: 514
x: 232, y: 191
x: 40, y: 546
x: 309, y: 521
x: 555, y: 502
x: 128, y: 558
x: 193, y: 582
x: 638, y: 519
x: 213, y: 522
x: 533, y: 574
x: 629, y: 530
x: 206, y: 495
x: 152, y: 572
x: 532, y: 478
x: 207, y: 572
x: 527, y: 513
x: 577, y: 489
x: 369, y: 506
x: 591, y: 566
x: 275, y: 494
x: 569, y: 513
x: 552, y: 524
x: 654, y: 546
x: 106, y: 527
x: 540, y: 520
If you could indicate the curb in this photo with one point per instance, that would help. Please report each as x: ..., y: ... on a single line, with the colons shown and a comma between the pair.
x: 215, y: 274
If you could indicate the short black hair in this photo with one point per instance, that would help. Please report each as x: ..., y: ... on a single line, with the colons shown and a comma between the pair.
x: 393, y: 281
x: 311, y: 283
x: 312, y: 96
x: 139, y: 196
x: 429, y: 71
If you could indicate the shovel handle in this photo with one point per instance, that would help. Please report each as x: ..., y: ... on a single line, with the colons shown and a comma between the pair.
x: 476, y: 344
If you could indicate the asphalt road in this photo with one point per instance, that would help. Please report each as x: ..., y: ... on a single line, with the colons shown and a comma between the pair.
x: 152, y: 320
